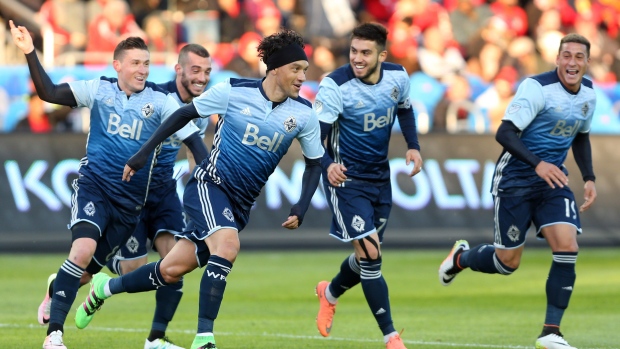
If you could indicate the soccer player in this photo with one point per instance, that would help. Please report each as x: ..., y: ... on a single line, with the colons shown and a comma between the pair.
x: 162, y: 216
x: 258, y: 121
x: 357, y: 105
x: 549, y: 114
x: 104, y: 210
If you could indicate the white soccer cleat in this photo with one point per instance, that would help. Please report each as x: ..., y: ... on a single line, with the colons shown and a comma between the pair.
x: 54, y: 341
x: 448, y: 268
x: 161, y: 343
x: 553, y: 341
x: 43, y: 315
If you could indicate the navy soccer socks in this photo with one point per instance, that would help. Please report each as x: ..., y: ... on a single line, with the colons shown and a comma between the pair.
x: 482, y: 258
x: 376, y: 293
x: 146, y: 278
x: 348, y: 277
x: 560, y: 285
x: 66, y: 287
x: 212, y: 286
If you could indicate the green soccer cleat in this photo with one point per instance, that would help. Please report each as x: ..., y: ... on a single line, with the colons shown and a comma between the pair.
x: 204, y: 342
x: 93, y: 302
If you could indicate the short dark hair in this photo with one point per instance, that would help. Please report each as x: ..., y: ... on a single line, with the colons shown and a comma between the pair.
x: 132, y: 42
x: 193, y: 48
x: 371, y: 32
x: 277, y: 41
x: 576, y: 38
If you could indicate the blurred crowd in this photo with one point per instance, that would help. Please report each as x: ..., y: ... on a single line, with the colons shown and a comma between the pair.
x: 465, y: 57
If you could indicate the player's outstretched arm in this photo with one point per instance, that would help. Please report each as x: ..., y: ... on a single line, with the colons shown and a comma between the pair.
x: 172, y: 124
x: 582, y: 151
x: 46, y: 89
x: 309, y: 183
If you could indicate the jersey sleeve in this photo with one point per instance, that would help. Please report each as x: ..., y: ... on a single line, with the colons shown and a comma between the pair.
x: 213, y: 100
x: 328, y: 102
x: 585, y: 128
x: 526, y: 104
x: 85, y: 91
x: 170, y: 106
x: 404, y: 102
x: 310, y: 138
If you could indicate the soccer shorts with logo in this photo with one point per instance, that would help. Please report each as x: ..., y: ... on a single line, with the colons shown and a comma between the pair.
x: 162, y: 213
x: 91, y: 204
x: 209, y: 209
x: 515, y: 214
x: 359, y: 208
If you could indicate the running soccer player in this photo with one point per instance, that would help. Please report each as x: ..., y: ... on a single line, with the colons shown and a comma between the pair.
x: 357, y: 105
x: 105, y: 210
x: 550, y: 114
x: 258, y: 121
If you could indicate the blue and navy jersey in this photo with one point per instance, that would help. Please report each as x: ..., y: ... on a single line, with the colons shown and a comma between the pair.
x: 164, y: 168
x: 549, y: 117
x: 252, y: 135
x: 119, y: 125
x: 362, y: 117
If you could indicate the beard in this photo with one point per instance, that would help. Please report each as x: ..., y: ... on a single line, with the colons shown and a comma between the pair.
x: 371, y: 70
x: 187, y: 86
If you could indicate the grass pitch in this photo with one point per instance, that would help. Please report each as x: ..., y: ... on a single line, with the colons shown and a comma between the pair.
x: 270, y: 303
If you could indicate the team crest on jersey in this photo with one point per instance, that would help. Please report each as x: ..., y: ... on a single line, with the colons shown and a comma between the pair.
x: 132, y: 244
x: 318, y: 106
x: 89, y: 209
x: 148, y: 110
x: 358, y: 223
x: 395, y: 93
x: 290, y: 124
x: 585, y: 109
x: 513, y: 233
x: 514, y: 107
x: 228, y: 214
x: 109, y: 101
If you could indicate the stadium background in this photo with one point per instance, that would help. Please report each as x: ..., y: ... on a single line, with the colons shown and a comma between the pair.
x: 465, y: 58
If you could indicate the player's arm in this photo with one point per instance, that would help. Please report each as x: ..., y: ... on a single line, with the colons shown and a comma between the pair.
x: 407, y: 124
x: 582, y: 151
x: 46, y: 89
x: 196, y: 147
x: 172, y: 124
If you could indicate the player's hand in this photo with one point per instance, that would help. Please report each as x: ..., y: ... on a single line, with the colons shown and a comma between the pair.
x: 291, y: 223
x: 335, y: 174
x: 414, y: 155
x: 589, y: 194
x: 21, y: 37
x: 551, y: 174
x: 128, y: 172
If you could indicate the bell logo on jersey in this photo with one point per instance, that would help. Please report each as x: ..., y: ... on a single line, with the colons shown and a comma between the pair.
x: 562, y: 129
x: 371, y: 121
x: 263, y: 142
x: 124, y: 130
x: 173, y: 141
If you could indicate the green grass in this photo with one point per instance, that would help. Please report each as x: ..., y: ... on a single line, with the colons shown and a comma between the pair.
x: 270, y: 303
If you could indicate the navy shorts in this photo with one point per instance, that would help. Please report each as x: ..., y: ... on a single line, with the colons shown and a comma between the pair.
x: 515, y: 214
x: 209, y: 209
x: 162, y: 213
x: 90, y: 204
x: 359, y: 209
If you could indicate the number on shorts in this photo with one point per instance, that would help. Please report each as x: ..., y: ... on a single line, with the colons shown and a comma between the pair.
x: 570, y: 206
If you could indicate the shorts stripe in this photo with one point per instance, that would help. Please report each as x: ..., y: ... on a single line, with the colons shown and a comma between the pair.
x: 337, y: 213
x: 205, y: 203
x: 74, y: 204
x: 498, y: 235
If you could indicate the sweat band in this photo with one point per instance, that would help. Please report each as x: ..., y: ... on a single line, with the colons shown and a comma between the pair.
x: 285, y: 55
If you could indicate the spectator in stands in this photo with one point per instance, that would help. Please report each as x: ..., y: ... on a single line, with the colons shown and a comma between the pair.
x: 67, y: 21
x: 522, y: 52
x: 247, y: 63
x: 458, y: 94
x: 403, y: 45
x: 437, y: 59
x: 107, y: 29
x: 268, y: 21
x: 512, y: 14
x: 468, y: 19
x: 159, y: 38
x: 496, y: 98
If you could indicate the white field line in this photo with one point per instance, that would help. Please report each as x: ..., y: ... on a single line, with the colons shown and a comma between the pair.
x: 291, y: 336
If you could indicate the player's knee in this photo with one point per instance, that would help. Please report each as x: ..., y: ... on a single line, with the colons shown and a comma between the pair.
x: 228, y: 251
x: 171, y: 274
x: 508, y: 258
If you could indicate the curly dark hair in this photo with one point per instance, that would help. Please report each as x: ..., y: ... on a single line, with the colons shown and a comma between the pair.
x: 130, y: 43
x: 277, y: 41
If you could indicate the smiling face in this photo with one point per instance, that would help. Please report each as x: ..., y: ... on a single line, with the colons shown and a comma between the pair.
x: 365, y: 57
x: 290, y: 77
x: 572, y: 62
x: 133, y: 70
x: 193, y: 74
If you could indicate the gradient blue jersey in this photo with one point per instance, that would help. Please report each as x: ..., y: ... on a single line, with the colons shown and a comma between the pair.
x: 362, y: 117
x: 118, y: 127
x: 164, y: 168
x: 549, y: 117
x: 252, y: 135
